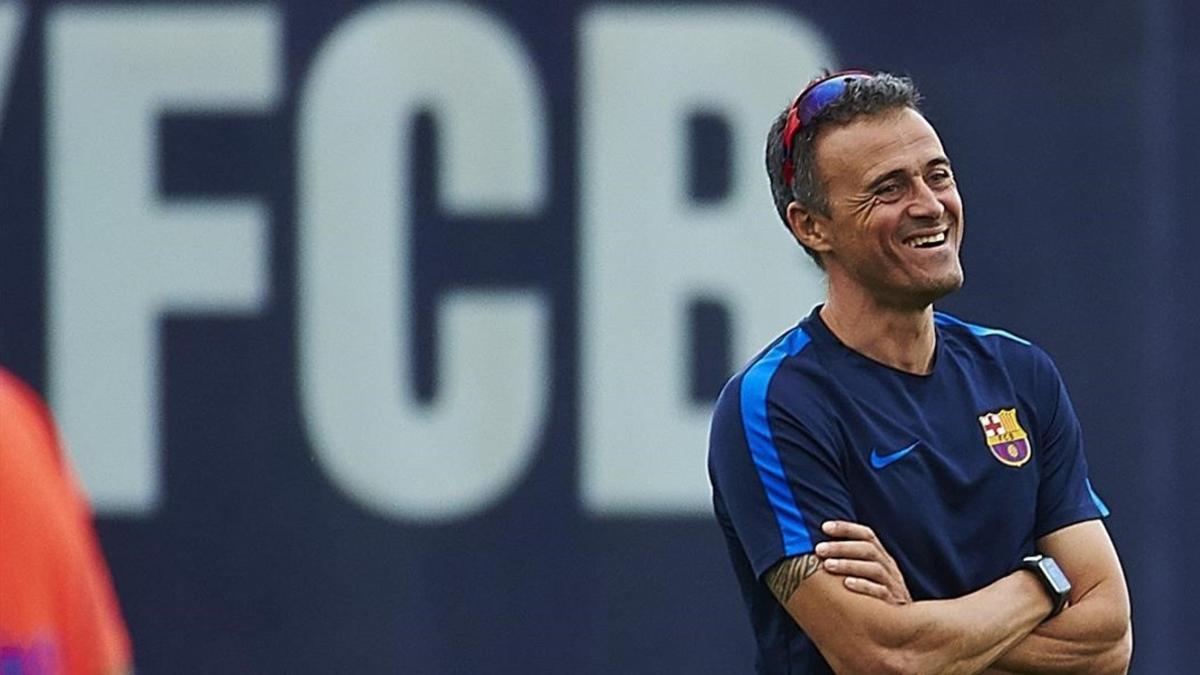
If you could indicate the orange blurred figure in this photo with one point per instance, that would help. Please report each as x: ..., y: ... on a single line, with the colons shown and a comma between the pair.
x: 58, y: 611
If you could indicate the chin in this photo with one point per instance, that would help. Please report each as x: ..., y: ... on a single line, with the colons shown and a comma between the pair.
x: 936, y: 289
x: 952, y: 281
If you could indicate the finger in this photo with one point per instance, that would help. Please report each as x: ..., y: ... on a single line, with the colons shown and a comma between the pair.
x: 871, y: 571
x: 865, y: 587
x: 844, y: 529
x: 857, y: 550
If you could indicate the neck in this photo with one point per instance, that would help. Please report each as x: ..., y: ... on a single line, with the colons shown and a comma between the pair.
x: 903, y: 338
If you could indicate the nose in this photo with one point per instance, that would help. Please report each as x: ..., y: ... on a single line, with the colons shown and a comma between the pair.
x: 925, y: 202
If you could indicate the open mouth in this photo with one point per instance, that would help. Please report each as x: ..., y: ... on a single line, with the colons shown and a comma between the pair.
x: 926, y: 241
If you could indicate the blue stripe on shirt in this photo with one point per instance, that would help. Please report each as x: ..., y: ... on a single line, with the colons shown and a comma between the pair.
x: 978, y: 331
x: 755, y: 382
x: 1100, y: 505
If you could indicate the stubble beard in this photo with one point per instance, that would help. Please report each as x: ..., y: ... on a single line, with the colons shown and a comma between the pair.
x: 919, y: 295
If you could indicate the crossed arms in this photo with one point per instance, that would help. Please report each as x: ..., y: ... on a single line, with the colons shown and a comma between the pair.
x: 850, y: 598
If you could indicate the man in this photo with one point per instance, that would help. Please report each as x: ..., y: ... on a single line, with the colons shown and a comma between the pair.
x: 58, y: 613
x: 878, y: 426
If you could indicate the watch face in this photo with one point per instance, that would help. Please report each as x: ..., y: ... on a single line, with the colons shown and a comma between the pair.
x: 1055, y: 575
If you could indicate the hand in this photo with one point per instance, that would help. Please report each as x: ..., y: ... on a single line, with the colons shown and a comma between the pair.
x: 862, y: 560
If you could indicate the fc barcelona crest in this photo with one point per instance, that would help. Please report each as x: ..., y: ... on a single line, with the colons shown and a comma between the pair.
x: 1005, y: 438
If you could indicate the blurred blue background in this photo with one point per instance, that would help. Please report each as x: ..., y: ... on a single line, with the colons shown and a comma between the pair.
x: 384, y: 335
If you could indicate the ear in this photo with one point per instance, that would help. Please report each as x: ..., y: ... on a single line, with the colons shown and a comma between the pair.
x: 808, y: 227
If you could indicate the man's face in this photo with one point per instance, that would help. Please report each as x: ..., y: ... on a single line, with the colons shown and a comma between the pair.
x: 895, y: 217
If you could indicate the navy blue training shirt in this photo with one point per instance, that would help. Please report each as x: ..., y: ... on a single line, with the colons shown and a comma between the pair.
x: 958, y: 472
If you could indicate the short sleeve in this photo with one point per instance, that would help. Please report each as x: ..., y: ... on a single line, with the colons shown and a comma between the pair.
x: 774, y: 480
x: 1065, y: 495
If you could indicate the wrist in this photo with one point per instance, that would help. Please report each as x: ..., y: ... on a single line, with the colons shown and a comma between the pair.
x: 1037, y: 591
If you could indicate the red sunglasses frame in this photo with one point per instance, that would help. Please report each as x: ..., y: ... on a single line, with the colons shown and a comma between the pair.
x: 809, y: 103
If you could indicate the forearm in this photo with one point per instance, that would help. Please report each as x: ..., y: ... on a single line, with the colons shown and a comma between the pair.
x: 1113, y: 662
x: 967, y: 634
x: 1093, y: 636
x: 961, y: 635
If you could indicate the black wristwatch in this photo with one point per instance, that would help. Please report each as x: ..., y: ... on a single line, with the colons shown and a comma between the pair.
x: 1052, y: 577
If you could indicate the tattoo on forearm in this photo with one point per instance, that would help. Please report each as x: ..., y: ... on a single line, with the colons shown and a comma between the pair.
x: 784, y: 578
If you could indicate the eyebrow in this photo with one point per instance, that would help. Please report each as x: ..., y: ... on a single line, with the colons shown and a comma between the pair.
x: 940, y: 160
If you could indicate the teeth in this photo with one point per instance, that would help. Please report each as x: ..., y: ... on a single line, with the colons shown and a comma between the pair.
x: 931, y: 239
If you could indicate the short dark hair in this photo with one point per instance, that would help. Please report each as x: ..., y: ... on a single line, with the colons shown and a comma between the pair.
x: 868, y: 96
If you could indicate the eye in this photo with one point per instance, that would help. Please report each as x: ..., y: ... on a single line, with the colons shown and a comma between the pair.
x: 940, y: 177
x: 888, y: 191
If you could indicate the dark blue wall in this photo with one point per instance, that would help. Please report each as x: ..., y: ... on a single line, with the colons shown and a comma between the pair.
x: 1071, y: 135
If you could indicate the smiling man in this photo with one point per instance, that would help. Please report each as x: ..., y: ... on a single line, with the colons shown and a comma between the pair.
x: 903, y: 491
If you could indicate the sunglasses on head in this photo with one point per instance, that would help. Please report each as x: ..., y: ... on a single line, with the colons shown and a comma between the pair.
x: 813, y: 99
